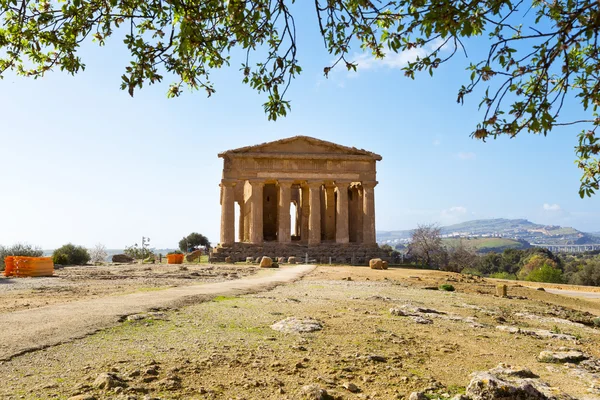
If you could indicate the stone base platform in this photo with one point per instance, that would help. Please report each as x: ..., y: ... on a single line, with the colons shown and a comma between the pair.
x: 351, y: 253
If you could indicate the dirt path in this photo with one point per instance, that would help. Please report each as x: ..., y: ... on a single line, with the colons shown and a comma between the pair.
x: 28, y: 330
x: 575, y: 293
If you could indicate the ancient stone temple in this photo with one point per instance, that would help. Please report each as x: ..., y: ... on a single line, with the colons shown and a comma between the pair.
x: 296, y: 197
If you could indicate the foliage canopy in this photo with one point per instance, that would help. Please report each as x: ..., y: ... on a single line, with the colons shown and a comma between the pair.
x: 541, y: 54
x: 193, y: 241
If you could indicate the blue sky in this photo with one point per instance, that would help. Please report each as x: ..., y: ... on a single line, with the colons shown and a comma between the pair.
x: 83, y: 162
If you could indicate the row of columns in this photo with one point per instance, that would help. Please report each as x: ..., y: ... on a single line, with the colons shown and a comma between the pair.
x: 312, y: 197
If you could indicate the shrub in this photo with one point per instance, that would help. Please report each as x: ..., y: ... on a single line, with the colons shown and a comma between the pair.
x: 19, y: 249
x: 175, y: 252
x: 69, y: 254
x: 503, y: 275
x: 596, y: 322
x: 137, y: 252
x: 446, y: 287
x: 546, y: 273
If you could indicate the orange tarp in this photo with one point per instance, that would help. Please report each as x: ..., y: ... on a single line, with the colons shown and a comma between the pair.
x: 28, y: 266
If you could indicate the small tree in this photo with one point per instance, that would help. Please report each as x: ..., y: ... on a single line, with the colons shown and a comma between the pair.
x: 98, y: 253
x: 193, y: 241
x: 460, y: 257
x: 426, y: 246
x: 19, y: 249
x: 69, y: 254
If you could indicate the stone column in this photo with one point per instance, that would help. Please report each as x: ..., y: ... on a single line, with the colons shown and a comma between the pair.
x: 305, y: 214
x: 227, y: 212
x: 284, y: 234
x: 256, y: 212
x: 369, y: 213
x: 241, y: 222
x: 341, y: 221
x: 330, y: 227
x: 314, y: 222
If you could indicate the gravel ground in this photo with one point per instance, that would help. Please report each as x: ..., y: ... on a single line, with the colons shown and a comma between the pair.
x: 227, y: 349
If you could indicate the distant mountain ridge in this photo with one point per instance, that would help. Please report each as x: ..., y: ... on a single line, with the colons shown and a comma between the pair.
x: 519, y: 229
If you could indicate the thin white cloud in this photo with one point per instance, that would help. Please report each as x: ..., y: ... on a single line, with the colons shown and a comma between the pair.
x: 394, y: 60
x: 466, y: 155
x: 366, y: 61
x: 551, y: 207
x: 458, y: 210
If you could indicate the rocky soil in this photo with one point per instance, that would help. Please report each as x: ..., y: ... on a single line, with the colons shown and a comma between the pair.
x: 340, y: 333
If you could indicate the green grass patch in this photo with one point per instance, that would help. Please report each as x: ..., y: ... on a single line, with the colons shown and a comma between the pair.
x: 447, y: 288
x: 224, y: 298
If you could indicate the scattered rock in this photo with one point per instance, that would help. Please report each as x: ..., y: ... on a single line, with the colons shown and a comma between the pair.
x: 538, y: 333
x: 170, y: 383
x: 257, y: 260
x: 377, y: 358
x: 541, y: 289
x: 351, y: 387
x: 82, y: 397
x: 108, y: 380
x: 506, y: 382
x: 384, y: 264
x: 293, y: 324
x: 228, y: 260
x: 418, y: 396
x: 280, y: 260
x: 292, y: 260
x: 266, y: 262
x: 399, y: 312
x: 249, y: 260
x: 193, y: 256
x: 376, y: 263
x: 421, y: 320
x: 315, y: 392
x: 122, y: 258
x: 561, y: 357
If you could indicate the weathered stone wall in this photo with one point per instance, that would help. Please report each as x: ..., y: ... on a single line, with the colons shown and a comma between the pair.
x: 353, y: 254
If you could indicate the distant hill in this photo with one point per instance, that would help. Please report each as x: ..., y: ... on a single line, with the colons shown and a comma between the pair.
x: 516, y: 229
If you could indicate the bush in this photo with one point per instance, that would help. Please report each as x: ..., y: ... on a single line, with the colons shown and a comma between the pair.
x: 70, y: 254
x: 546, y: 273
x: 503, y: 275
x: 446, y: 287
x: 175, y: 252
x: 137, y: 252
x: 19, y: 249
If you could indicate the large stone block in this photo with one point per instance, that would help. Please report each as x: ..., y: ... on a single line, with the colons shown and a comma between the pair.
x: 266, y: 262
x: 376, y: 263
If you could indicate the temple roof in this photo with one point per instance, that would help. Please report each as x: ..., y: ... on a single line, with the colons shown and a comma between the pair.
x: 297, y: 145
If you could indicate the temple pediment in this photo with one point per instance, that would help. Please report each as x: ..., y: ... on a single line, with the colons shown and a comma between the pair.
x: 300, y: 146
